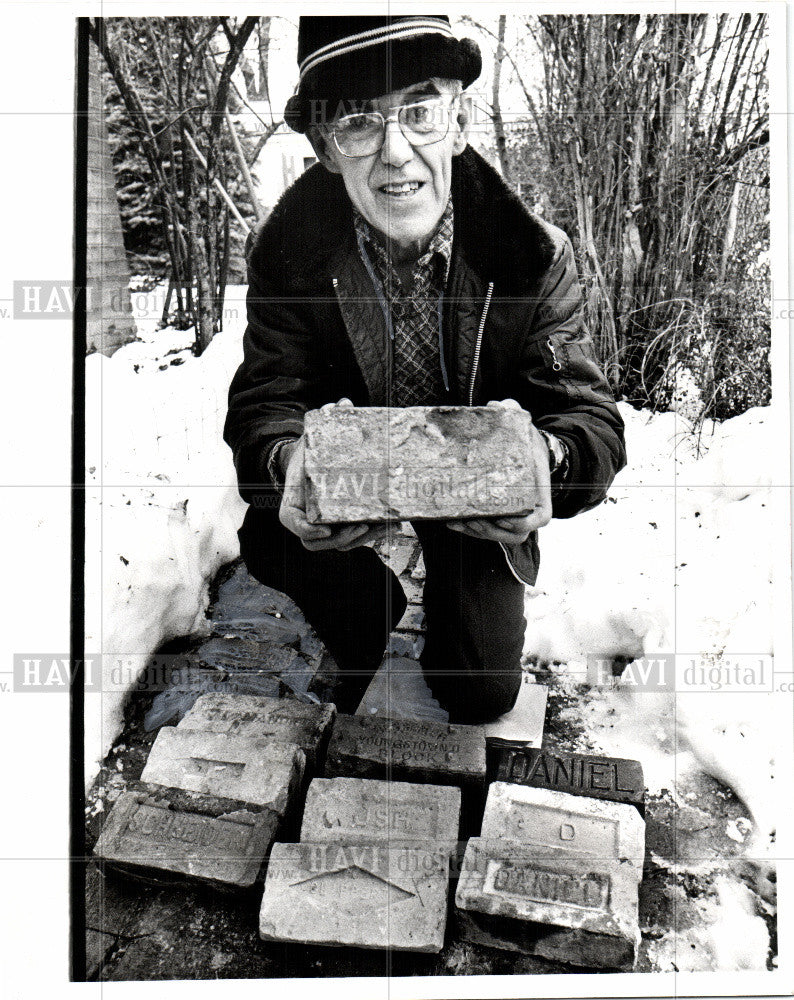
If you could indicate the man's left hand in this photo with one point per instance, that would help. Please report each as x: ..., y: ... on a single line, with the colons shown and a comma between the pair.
x: 513, y: 530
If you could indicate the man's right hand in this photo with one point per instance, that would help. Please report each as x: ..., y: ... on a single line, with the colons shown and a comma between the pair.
x: 292, y: 513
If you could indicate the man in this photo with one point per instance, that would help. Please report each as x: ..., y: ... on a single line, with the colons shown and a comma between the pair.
x: 399, y: 271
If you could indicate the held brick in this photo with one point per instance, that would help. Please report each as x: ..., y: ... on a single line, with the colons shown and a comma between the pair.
x: 429, y: 752
x: 259, y: 771
x: 254, y: 717
x: 583, y: 911
x: 553, y: 821
x: 611, y: 778
x: 356, y: 895
x: 380, y: 463
x: 162, y: 832
x: 354, y: 810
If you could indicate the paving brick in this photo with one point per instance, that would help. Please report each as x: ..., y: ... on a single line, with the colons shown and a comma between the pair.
x: 406, y: 750
x: 355, y: 810
x: 160, y: 832
x: 380, y: 464
x: 413, y: 620
x: 578, y: 910
x: 356, y: 895
x: 282, y: 719
x: 611, y: 778
x: 546, y: 820
x: 397, y: 554
x: 259, y: 771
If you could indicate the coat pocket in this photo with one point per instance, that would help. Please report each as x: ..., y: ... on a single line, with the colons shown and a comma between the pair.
x: 571, y: 358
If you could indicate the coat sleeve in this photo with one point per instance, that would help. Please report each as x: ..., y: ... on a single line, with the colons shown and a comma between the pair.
x: 276, y: 383
x: 566, y: 391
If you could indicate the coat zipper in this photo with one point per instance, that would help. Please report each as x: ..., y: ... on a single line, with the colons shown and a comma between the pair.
x: 478, y: 345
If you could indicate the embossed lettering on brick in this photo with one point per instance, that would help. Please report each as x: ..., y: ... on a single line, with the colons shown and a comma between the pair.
x: 260, y: 771
x: 407, y: 750
x: 153, y: 830
x: 612, y: 778
x: 545, y: 819
x: 588, y: 904
x: 256, y: 717
x: 361, y: 809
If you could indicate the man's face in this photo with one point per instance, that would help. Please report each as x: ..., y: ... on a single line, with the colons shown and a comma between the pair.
x: 402, y: 190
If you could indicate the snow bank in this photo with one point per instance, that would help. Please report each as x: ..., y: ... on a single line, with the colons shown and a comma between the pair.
x: 162, y: 508
x: 678, y: 559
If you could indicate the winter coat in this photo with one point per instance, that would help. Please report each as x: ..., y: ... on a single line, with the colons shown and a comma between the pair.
x: 512, y: 327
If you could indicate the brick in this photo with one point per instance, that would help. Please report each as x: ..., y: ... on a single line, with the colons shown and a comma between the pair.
x: 258, y: 771
x: 355, y: 810
x: 356, y: 895
x: 611, y: 778
x: 583, y: 911
x: 555, y: 821
x: 380, y: 464
x: 161, y: 832
x: 429, y: 752
x: 283, y: 719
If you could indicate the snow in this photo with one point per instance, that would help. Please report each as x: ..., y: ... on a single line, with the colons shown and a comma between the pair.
x: 678, y: 560
x: 162, y: 508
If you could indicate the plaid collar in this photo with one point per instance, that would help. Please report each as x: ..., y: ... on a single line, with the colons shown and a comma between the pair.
x: 440, y: 244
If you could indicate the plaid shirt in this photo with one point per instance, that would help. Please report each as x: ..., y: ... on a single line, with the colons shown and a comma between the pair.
x: 414, y: 311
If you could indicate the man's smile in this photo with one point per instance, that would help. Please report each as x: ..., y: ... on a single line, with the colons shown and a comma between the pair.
x: 401, y: 190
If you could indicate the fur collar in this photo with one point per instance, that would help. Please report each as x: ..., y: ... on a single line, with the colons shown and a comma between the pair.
x: 498, y: 237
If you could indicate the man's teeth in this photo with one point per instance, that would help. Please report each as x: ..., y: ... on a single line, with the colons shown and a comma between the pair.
x: 401, y: 188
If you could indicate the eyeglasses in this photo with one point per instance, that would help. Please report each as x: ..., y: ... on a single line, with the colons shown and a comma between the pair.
x: 422, y: 123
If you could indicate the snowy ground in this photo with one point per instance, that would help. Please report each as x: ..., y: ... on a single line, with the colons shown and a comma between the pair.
x: 162, y: 508
x: 678, y: 560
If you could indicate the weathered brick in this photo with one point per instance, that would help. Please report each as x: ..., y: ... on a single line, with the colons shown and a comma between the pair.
x: 406, y: 750
x: 583, y: 911
x: 157, y: 831
x: 356, y: 895
x: 555, y: 821
x: 355, y: 810
x: 283, y: 719
x: 260, y: 771
x: 379, y: 464
x: 611, y: 778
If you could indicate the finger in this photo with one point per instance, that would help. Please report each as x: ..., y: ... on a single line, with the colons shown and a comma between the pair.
x: 469, y: 528
x: 348, y: 533
x: 295, y: 521
x: 344, y: 401
x: 513, y: 523
x: 366, y: 539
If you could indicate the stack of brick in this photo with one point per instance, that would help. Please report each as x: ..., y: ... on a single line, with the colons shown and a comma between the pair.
x: 371, y: 869
x: 556, y: 869
x: 378, y: 838
x: 217, y: 790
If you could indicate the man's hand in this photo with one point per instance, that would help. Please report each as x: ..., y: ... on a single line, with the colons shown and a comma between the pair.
x: 292, y: 513
x: 512, y: 530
